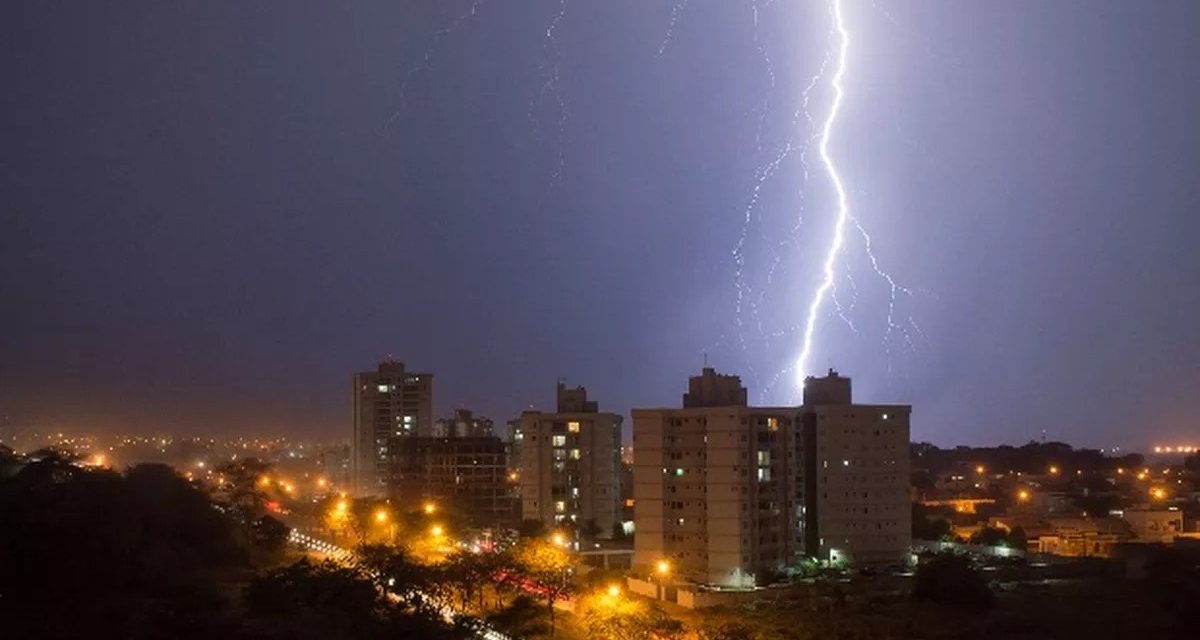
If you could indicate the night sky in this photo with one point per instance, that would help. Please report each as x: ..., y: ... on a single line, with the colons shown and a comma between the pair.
x: 214, y: 212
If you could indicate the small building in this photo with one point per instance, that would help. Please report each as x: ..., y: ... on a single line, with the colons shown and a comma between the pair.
x: 1154, y: 525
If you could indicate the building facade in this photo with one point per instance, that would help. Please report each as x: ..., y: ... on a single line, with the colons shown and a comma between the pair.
x: 390, y: 402
x: 463, y: 424
x: 731, y: 495
x: 466, y: 474
x: 569, y: 470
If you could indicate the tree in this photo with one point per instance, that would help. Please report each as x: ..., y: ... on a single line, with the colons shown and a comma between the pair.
x: 726, y: 630
x: 329, y: 600
x: 467, y: 572
x: 531, y: 529
x: 522, y: 618
x: 244, y: 492
x: 926, y: 528
x: 394, y: 570
x: 1173, y: 576
x: 590, y: 530
x: 315, y: 600
x: 120, y: 552
x: 617, y: 617
x: 950, y: 579
x: 548, y: 565
x: 989, y: 536
x: 1017, y: 538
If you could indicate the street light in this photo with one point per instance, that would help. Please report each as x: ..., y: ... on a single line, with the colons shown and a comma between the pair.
x: 614, y: 591
x: 381, y: 516
x: 430, y: 507
x: 436, y: 530
x: 663, y: 567
x: 559, y: 540
x: 1023, y: 495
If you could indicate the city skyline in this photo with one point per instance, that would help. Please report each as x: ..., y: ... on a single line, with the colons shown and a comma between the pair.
x: 211, y: 223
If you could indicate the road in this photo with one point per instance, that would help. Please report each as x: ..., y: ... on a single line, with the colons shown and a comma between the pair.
x: 345, y: 556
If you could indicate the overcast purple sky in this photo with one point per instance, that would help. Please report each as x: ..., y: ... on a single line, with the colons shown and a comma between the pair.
x: 214, y: 212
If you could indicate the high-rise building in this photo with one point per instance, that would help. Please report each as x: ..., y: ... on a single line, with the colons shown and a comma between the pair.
x: 570, y: 465
x: 388, y: 402
x: 468, y: 474
x: 732, y: 495
x: 463, y: 424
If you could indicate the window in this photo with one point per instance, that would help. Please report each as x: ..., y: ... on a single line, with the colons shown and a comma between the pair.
x: 559, y: 441
x: 383, y: 388
x: 678, y: 472
x: 560, y: 506
x: 764, y: 458
x: 574, y: 454
x: 772, y: 424
x: 573, y: 427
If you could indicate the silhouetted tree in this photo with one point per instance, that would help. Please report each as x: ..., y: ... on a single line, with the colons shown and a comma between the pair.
x: 522, y: 618
x: 950, y: 579
x: 531, y: 528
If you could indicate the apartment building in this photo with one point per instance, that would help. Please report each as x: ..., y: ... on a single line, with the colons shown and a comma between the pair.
x: 732, y: 495
x: 569, y: 472
x: 390, y: 402
x: 467, y: 474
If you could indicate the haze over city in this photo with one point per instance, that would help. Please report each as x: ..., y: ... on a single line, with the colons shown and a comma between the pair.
x: 215, y: 213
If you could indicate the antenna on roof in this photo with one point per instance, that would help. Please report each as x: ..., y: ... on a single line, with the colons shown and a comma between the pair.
x: 704, y: 354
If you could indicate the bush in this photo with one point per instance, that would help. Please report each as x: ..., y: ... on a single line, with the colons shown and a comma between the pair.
x: 949, y: 579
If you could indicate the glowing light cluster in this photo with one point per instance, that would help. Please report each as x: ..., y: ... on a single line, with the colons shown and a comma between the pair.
x: 1177, y: 449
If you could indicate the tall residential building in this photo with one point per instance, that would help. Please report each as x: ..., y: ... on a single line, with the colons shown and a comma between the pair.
x: 463, y: 424
x: 570, y: 465
x: 388, y: 402
x: 468, y: 474
x: 732, y: 495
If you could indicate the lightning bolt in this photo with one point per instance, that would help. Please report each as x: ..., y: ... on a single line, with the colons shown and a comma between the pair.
x: 427, y: 59
x: 843, y: 207
x: 552, y: 54
x: 675, y: 11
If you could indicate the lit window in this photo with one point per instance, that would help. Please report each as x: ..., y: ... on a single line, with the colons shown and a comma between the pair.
x: 573, y: 427
x: 383, y: 388
x: 408, y: 419
x: 559, y: 441
x: 884, y: 417
x: 764, y: 474
x: 574, y: 454
x: 679, y: 472
x: 764, y: 458
x: 845, y: 463
x: 772, y: 424
x: 560, y: 506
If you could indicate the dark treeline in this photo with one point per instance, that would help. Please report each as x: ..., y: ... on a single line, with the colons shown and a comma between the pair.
x: 1031, y: 458
x: 144, y: 553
